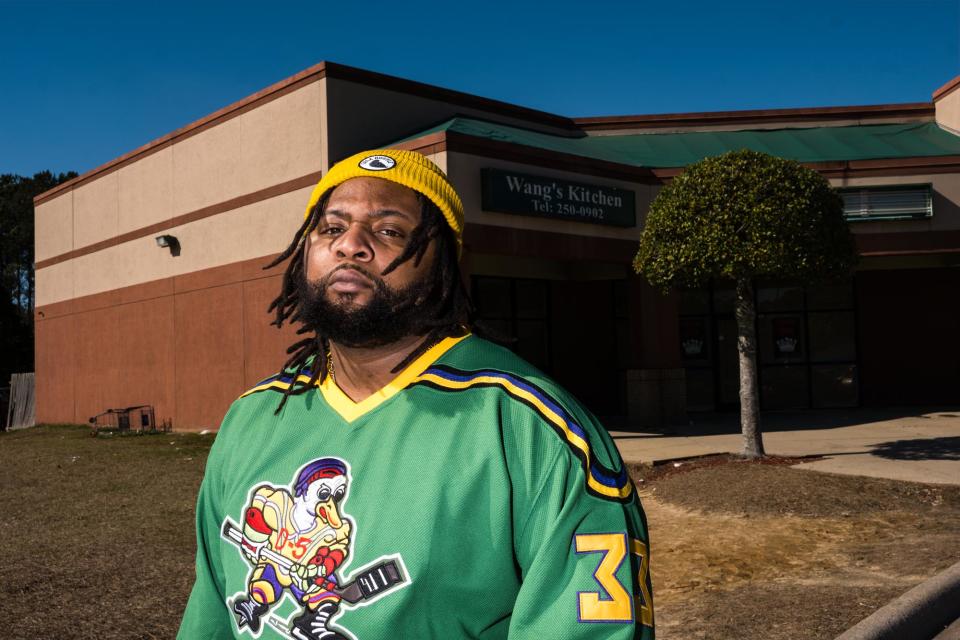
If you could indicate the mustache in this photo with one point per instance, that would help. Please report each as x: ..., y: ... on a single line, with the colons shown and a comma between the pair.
x: 376, y: 279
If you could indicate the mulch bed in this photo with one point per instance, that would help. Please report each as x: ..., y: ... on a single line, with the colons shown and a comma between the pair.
x: 764, y: 549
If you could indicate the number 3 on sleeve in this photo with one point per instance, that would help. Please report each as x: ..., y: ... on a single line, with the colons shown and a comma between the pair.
x: 615, y: 604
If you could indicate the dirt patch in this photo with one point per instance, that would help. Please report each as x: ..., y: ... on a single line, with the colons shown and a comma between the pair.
x: 731, y: 484
x: 762, y: 550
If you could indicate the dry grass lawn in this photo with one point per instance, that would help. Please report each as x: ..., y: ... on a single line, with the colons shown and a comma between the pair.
x: 97, y: 532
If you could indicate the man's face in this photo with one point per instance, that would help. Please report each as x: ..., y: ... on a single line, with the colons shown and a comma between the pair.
x: 367, y: 223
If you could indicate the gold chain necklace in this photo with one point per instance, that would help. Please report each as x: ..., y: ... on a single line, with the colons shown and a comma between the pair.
x: 333, y: 376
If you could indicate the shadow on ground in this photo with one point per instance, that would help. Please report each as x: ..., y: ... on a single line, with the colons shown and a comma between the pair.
x: 947, y: 448
x: 703, y: 424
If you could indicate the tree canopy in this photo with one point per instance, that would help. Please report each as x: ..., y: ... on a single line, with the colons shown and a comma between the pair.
x: 16, y: 267
x: 745, y: 214
x: 740, y: 216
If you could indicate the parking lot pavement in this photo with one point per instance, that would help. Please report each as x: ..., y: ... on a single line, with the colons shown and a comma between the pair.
x: 900, y: 444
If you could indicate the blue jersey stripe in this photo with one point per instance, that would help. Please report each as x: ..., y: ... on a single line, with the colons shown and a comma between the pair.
x: 605, y: 476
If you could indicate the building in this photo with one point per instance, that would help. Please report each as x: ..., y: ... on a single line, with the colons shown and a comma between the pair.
x: 554, y: 209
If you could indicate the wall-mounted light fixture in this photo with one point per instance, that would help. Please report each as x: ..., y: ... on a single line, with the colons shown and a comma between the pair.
x: 169, y: 242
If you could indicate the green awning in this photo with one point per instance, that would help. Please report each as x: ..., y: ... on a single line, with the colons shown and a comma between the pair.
x: 814, y: 144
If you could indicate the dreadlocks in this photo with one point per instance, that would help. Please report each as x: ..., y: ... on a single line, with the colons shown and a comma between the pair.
x: 447, y: 310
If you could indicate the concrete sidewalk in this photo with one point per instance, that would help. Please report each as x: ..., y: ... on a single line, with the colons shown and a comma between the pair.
x: 901, y: 444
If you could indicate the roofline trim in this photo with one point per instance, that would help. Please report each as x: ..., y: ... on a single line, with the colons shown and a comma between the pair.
x: 464, y: 143
x: 946, y: 88
x: 403, y: 85
x: 753, y: 116
x: 461, y: 142
x: 856, y: 168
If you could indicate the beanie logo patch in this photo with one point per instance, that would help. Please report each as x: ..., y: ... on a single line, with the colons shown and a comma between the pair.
x: 378, y: 163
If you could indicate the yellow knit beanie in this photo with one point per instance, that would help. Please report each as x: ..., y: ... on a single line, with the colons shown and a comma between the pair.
x: 409, y: 168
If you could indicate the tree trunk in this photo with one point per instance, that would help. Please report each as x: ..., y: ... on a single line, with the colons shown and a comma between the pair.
x: 747, y: 351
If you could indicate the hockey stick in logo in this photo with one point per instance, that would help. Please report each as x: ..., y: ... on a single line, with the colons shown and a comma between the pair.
x: 370, y: 582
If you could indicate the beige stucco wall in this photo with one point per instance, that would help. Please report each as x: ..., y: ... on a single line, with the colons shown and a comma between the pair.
x: 145, y: 191
x: 53, y: 227
x: 278, y: 141
x: 206, y: 167
x: 253, y: 231
x: 464, y: 170
x: 95, y: 211
x: 948, y: 110
x: 54, y: 283
x: 946, y: 202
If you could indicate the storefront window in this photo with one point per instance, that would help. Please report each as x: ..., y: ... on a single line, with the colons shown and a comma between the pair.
x: 833, y: 296
x: 831, y: 336
x: 533, y: 344
x: 784, y: 387
x: 834, y: 385
x: 806, y: 346
x: 695, y: 339
x: 623, y: 325
x: 724, y: 299
x: 531, y: 299
x: 781, y: 338
x: 779, y: 298
x: 517, y: 309
x: 694, y: 302
x: 699, y: 389
x: 494, y: 297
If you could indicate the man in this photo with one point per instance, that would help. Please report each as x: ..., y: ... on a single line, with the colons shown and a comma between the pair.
x: 485, y: 502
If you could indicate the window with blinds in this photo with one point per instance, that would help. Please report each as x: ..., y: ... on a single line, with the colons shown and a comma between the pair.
x: 908, y: 202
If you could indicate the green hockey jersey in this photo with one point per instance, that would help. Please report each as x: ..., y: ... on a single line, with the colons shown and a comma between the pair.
x: 469, y: 498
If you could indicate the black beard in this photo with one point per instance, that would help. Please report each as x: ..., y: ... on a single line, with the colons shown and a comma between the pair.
x: 391, y: 314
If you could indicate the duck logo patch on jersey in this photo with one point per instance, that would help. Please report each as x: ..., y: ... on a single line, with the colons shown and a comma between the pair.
x: 298, y: 540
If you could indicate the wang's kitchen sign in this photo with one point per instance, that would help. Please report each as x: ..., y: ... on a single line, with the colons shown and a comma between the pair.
x: 509, y: 192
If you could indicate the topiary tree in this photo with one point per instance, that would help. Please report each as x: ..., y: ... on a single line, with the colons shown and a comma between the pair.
x: 739, y: 216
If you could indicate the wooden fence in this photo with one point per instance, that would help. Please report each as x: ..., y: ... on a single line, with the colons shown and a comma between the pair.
x: 21, y: 412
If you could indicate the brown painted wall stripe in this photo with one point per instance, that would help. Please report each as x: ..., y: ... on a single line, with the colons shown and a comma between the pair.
x: 242, y: 271
x: 908, y: 243
x: 864, y: 168
x: 228, y: 205
x: 757, y: 116
x: 479, y: 238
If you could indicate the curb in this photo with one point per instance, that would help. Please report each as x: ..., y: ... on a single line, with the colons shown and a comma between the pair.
x: 921, y: 612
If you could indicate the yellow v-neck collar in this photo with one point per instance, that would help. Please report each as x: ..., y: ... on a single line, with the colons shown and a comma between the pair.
x: 350, y: 410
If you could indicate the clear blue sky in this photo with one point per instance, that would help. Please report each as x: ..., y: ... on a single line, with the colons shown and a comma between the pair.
x: 85, y: 81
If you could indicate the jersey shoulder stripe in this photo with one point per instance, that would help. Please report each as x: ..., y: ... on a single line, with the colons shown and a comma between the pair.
x: 278, y: 382
x: 601, y: 481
